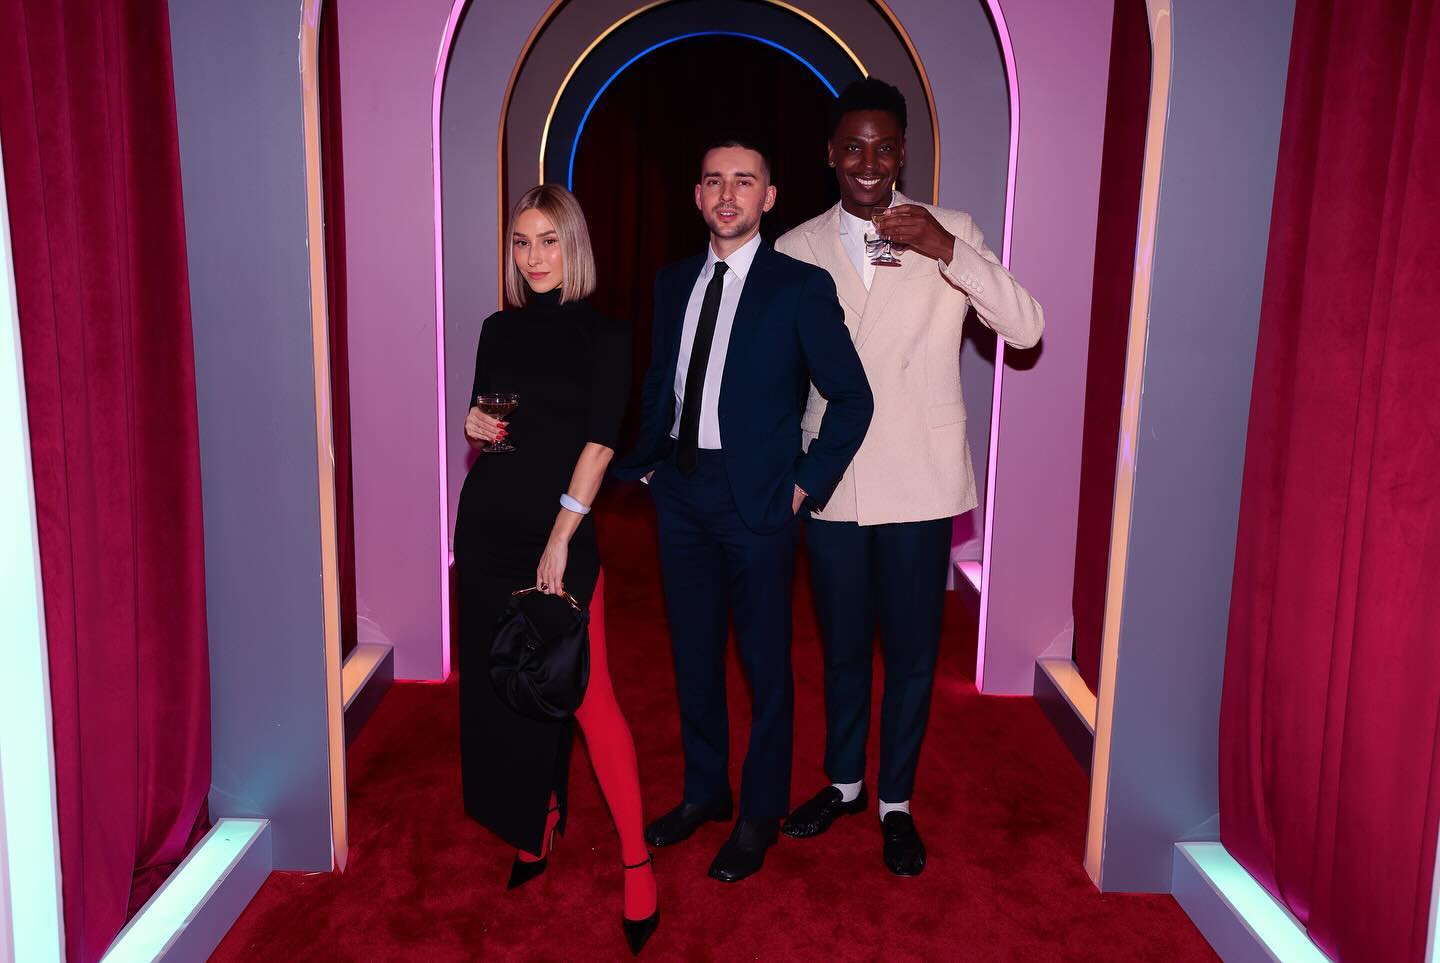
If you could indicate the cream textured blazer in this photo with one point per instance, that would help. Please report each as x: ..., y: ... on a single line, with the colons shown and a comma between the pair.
x: 915, y: 462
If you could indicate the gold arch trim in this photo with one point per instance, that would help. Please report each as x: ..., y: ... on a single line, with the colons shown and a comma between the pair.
x: 554, y: 8
x: 570, y: 74
x: 324, y: 429
x: 585, y: 55
x: 1161, y: 67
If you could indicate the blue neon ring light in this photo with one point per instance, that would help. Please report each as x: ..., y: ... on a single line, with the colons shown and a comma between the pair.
x: 575, y: 144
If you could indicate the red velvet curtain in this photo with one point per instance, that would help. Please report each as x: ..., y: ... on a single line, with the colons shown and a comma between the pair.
x: 1122, y: 164
x: 87, y: 118
x: 1330, y: 726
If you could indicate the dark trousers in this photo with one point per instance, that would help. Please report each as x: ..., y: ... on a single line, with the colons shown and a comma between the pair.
x: 893, y: 576
x: 712, y: 566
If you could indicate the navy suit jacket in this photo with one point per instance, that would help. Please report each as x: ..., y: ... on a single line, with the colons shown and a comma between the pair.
x: 789, y: 333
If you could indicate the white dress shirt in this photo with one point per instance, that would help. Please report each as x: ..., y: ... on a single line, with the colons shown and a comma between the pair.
x: 738, y: 266
x: 852, y: 239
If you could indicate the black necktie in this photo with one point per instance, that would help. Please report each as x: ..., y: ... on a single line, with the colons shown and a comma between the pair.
x: 687, y: 455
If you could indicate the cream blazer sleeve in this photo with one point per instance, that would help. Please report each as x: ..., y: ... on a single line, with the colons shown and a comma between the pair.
x: 1002, y: 304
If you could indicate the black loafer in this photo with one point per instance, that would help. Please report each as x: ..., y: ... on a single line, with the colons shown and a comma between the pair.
x: 904, y: 853
x: 814, y: 817
x: 744, y: 852
x: 680, y: 823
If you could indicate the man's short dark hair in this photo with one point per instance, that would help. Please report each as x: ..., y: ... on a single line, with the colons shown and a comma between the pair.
x: 868, y: 94
x: 744, y: 142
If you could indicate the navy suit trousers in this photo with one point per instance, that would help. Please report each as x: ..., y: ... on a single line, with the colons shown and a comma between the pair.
x: 715, y: 569
x: 892, y: 576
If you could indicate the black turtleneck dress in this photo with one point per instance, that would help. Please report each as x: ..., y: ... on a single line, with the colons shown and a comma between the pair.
x: 570, y: 367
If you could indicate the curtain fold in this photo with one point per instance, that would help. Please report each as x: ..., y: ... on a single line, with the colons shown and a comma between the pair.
x: 1330, y: 722
x: 92, y: 170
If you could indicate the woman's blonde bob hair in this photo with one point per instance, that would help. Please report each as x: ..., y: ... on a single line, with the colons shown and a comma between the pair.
x: 562, y: 210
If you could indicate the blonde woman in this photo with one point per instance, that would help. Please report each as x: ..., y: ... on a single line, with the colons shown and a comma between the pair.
x: 524, y: 520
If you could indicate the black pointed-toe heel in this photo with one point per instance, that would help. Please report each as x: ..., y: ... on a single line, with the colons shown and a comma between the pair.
x: 523, y: 871
x: 638, y: 932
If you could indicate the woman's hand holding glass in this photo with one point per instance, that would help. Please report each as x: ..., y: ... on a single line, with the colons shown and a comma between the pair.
x: 490, y: 411
x: 482, y: 430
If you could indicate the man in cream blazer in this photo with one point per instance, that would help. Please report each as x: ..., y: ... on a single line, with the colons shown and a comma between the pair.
x: 880, y: 548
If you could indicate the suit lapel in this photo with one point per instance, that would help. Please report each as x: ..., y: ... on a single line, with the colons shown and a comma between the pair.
x: 882, y: 288
x: 753, y: 298
x: 830, y: 254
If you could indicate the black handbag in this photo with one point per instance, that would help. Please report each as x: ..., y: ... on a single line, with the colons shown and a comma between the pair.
x: 540, y: 659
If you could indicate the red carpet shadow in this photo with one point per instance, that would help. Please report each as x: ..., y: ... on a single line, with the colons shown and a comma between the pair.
x: 1000, y: 802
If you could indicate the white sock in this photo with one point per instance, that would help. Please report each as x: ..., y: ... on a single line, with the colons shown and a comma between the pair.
x: 849, y: 791
x: 888, y: 808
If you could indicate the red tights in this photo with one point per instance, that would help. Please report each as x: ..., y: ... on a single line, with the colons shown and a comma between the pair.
x: 612, y: 756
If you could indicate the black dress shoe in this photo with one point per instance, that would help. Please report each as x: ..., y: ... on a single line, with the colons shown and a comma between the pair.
x: 814, y: 817
x: 744, y: 852
x: 678, y: 824
x: 904, y: 853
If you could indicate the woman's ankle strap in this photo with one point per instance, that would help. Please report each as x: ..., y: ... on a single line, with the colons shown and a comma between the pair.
x: 650, y: 858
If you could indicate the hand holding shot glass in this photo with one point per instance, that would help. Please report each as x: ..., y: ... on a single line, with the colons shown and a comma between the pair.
x: 496, y: 406
x: 878, y: 245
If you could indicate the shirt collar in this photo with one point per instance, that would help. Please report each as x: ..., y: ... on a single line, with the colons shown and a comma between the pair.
x: 739, y: 261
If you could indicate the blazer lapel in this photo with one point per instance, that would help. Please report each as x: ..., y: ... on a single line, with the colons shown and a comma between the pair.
x: 752, y: 304
x: 830, y: 254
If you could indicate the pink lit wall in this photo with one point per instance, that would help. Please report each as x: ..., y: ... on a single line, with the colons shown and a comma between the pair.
x: 408, y: 390
x: 1061, y: 59
x: 388, y: 54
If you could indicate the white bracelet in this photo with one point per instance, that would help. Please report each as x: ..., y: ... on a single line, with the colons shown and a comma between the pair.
x: 571, y: 504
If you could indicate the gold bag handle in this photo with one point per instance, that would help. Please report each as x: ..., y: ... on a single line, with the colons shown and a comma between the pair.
x: 564, y: 595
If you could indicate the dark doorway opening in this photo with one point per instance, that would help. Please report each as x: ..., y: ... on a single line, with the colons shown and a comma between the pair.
x: 639, y: 155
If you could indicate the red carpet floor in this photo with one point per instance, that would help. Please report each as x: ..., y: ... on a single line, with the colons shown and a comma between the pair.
x: 1000, y: 802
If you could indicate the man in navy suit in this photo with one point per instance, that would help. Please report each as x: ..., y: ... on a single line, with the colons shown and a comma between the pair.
x: 740, y: 334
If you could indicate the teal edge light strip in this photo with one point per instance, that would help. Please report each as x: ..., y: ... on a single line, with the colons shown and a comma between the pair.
x: 30, y: 921
x: 1280, y: 933
x: 1432, y: 947
x: 162, y: 919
